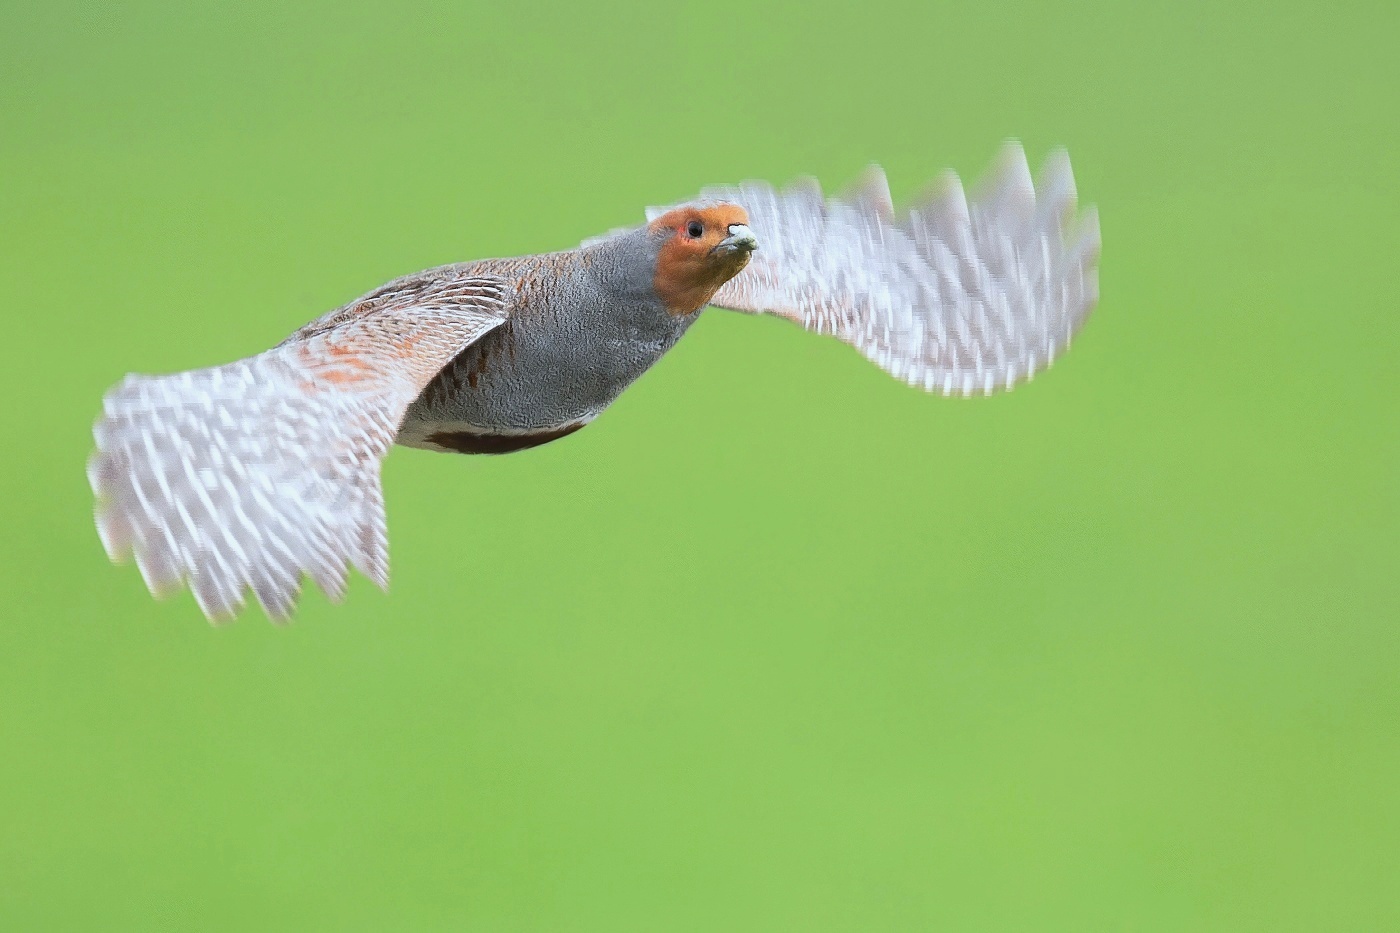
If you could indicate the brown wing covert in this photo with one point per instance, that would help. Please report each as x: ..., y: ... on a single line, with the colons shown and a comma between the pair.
x: 248, y: 475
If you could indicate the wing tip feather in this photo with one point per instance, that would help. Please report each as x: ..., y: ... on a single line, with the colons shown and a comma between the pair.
x: 1007, y: 184
x: 870, y: 191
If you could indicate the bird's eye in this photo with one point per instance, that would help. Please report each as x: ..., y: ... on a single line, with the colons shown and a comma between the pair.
x: 695, y: 229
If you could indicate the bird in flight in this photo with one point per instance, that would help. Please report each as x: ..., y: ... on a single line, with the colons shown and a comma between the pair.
x: 248, y: 476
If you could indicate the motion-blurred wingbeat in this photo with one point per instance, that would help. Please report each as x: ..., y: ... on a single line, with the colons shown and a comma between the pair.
x: 247, y: 476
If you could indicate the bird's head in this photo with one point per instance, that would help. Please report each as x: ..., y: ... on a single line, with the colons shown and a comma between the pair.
x: 701, y: 248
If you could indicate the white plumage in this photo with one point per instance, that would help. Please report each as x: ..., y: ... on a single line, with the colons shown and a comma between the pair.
x: 956, y: 296
x: 247, y: 476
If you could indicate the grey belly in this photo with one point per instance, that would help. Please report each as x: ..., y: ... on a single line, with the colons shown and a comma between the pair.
x: 519, y: 387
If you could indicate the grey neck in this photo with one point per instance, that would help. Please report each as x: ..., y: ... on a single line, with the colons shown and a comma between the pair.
x: 625, y: 264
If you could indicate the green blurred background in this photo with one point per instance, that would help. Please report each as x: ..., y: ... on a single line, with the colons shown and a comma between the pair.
x: 779, y: 643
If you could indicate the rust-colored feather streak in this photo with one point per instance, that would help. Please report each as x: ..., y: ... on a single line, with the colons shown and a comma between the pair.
x: 243, y: 479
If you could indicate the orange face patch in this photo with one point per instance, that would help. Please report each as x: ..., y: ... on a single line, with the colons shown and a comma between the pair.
x: 690, y: 267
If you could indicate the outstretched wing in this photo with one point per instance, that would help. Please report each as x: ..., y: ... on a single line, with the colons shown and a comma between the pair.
x: 247, y: 475
x: 960, y: 296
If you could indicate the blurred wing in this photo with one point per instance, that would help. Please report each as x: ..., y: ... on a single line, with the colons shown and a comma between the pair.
x: 247, y: 475
x: 963, y: 297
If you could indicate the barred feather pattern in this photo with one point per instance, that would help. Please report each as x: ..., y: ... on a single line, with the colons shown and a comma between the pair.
x: 245, y: 476
x: 963, y: 296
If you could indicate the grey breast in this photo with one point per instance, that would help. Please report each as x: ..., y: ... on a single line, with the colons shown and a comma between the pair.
x: 588, y: 323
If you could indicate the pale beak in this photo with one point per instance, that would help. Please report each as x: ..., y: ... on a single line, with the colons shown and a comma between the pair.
x: 740, y: 238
